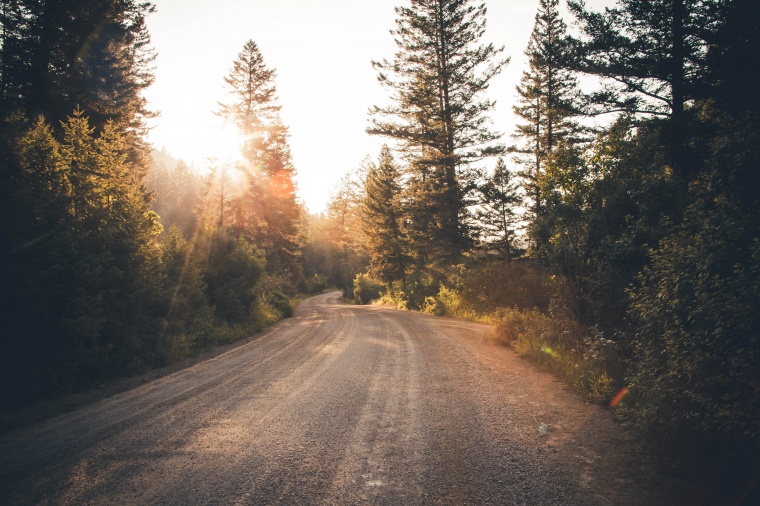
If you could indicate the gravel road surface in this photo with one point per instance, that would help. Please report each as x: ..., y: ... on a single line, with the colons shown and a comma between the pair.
x: 338, y: 405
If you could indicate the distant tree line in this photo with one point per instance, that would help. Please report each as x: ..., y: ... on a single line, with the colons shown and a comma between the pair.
x: 635, y: 193
x: 111, y: 264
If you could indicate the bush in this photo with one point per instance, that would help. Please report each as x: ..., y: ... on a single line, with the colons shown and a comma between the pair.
x: 280, y: 303
x: 233, y: 271
x: 448, y: 302
x: 695, y: 381
x: 495, y: 284
x: 316, y: 284
x: 583, y: 357
x: 366, y: 289
x: 394, y: 298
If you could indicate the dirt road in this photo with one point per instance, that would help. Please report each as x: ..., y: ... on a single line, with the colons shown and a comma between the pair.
x: 338, y: 405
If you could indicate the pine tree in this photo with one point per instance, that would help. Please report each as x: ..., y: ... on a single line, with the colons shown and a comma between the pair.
x: 36, y: 251
x: 382, y: 217
x: 651, y: 56
x: 231, y: 274
x: 650, y: 52
x: 112, y: 300
x: 187, y: 311
x: 82, y: 252
x: 281, y: 211
x: 267, y: 213
x: 57, y: 56
x: 548, y: 97
x: 253, y: 95
x: 497, y: 214
x: 439, y: 118
x: 92, y: 54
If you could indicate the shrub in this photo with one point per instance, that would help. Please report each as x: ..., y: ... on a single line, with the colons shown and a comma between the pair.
x: 495, y: 284
x: 366, y: 289
x: 560, y: 345
x: 394, y: 298
x: 695, y: 380
x: 448, y: 302
x: 233, y: 271
x: 316, y: 284
x: 280, y: 303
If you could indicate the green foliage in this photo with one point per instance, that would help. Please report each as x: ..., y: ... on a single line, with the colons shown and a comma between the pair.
x: 316, y: 284
x: 644, y: 246
x: 661, y: 64
x: 366, y: 289
x: 94, y: 289
x: 695, y: 378
x: 497, y: 213
x: 448, y: 302
x: 492, y: 284
x: 54, y: 59
x: 83, y: 248
x: 337, y: 245
x: 439, y: 118
x: 186, y: 326
x: 280, y: 303
x: 548, y: 101
x: 231, y: 273
x: 266, y: 212
x: 382, y: 217
x: 602, y: 209
x: 583, y: 357
x: 419, y: 286
x: 252, y: 93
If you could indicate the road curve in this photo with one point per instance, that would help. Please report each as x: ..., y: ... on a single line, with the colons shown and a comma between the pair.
x: 338, y: 405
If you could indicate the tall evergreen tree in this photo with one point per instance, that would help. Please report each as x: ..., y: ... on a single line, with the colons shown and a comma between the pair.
x: 439, y: 117
x: 548, y: 101
x: 281, y: 212
x: 497, y: 216
x: 60, y: 54
x: 382, y: 217
x: 252, y: 92
x: 650, y: 52
x: 81, y: 253
x: 267, y: 213
x: 651, y: 56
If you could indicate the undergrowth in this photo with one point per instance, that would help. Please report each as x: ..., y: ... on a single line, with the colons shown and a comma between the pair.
x: 531, y: 312
x: 582, y: 356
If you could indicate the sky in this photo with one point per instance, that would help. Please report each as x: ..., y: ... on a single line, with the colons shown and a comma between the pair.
x: 322, y: 51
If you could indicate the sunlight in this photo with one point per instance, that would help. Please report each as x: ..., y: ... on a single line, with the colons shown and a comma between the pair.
x: 235, y: 180
x: 225, y: 144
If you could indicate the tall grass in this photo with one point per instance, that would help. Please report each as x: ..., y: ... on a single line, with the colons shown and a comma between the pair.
x: 583, y: 357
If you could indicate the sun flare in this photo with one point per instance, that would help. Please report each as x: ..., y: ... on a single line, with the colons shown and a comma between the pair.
x: 235, y: 180
x: 225, y: 145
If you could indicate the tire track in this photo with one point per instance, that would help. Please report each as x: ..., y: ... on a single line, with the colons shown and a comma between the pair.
x: 338, y: 405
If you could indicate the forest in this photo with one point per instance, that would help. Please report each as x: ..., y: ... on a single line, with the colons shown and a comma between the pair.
x: 613, y: 238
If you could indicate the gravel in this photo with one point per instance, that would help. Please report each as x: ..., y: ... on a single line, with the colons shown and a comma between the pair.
x: 339, y: 405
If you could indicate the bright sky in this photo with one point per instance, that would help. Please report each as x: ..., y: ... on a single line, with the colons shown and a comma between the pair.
x: 322, y: 50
